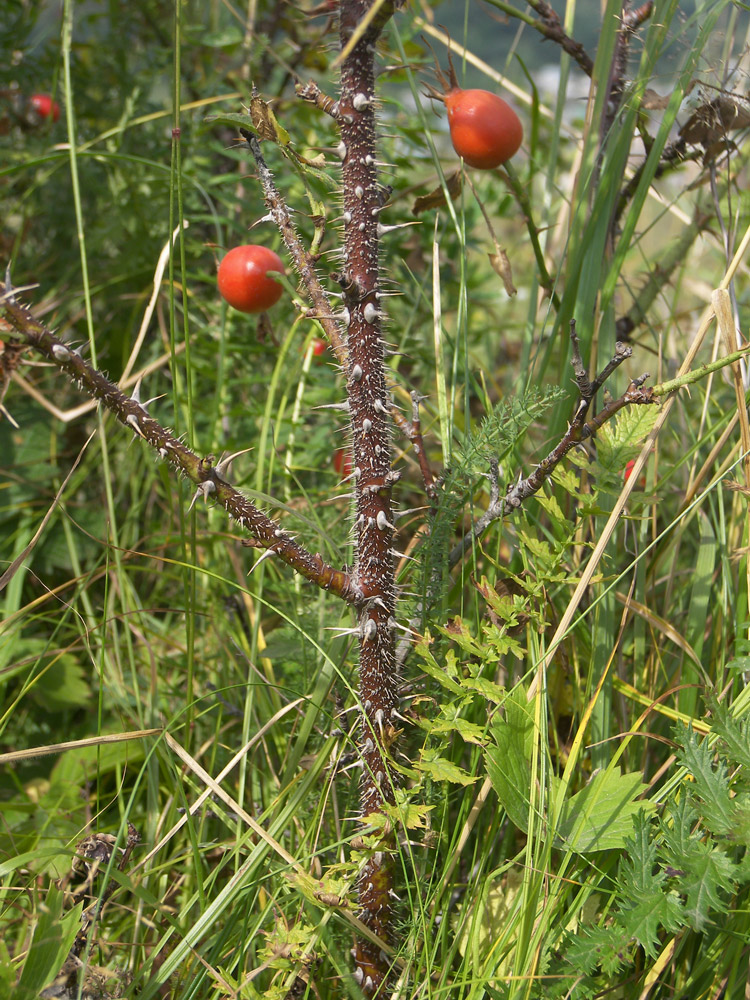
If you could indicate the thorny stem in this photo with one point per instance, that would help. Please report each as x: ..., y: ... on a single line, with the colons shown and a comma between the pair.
x: 201, y: 471
x: 303, y: 262
x: 369, y: 405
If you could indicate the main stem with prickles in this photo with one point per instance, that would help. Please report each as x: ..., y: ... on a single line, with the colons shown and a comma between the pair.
x: 370, y: 424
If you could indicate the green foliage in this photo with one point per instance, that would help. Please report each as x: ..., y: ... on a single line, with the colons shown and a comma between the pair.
x: 51, y: 940
x: 686, y: 870
x: 132, y: 612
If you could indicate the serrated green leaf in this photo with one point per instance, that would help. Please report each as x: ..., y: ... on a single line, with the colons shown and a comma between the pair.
x: 606, y: 947
x: 64, y: 686
x: 554, y: 510
x: 711, y: 782
x: 656, y: 912
x: 638, y: 873
x: 468, y: 731
x: 441, y: 769
x: 677, y: 831
x: 707, y: 872
x: 734, y: 733
x: 441, y: 674
x: 600, y: 816
x: 488, y: 689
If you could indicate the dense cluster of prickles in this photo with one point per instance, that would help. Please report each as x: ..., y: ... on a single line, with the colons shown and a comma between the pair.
x: 369, y: 406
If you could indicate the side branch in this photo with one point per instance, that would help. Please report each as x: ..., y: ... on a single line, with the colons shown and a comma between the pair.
x: 579, y: 429
x: 303, y: 261
x: 200, y: 471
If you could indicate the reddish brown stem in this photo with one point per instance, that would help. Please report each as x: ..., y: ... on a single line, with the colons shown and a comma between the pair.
x: 200, y: 471
x: 369, y: 404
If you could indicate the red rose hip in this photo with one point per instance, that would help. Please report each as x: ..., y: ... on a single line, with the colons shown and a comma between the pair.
x: 244, y: 281
x: 45, y: 107
x: 485, y: 130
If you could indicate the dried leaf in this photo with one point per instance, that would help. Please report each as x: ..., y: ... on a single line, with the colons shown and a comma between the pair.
x: 711, y: 121
x: 436, y: 197
x: 265, y: 122
x: 653, y: 101
x: 731, y: 484
x: 501, y: 265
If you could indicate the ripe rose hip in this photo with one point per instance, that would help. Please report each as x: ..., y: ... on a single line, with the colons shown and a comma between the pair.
x: 45, y: 107
x: 485, y: 130
x: 243, y: 278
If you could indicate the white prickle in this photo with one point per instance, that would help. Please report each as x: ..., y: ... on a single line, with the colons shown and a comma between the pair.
x: 370, y: 313
x: 60, y: 352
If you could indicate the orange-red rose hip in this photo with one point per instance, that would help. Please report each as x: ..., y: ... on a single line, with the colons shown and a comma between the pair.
x: 243, y: 278
x: 485, y: 130
x: 45, y: 107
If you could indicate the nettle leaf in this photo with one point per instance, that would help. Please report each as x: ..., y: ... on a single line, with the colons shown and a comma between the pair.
x: 600, y: 816
x: 711, y: 782
x: 509, y: 760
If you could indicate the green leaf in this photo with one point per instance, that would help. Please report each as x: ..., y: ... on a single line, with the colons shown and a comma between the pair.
x: 468, y: 731
x: 656, y: 912
x: 638, y: 874
x: 443, y: 675
x: 50, y: 944
x: 508, y: 762
x: 441, y: 769
x: 64, y: 686
x: 607, y: 947
x: 711, y: 783
x: 488, y: 689
x: 708, y: 871
x: 734, y: 733
x: 600, y: 816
